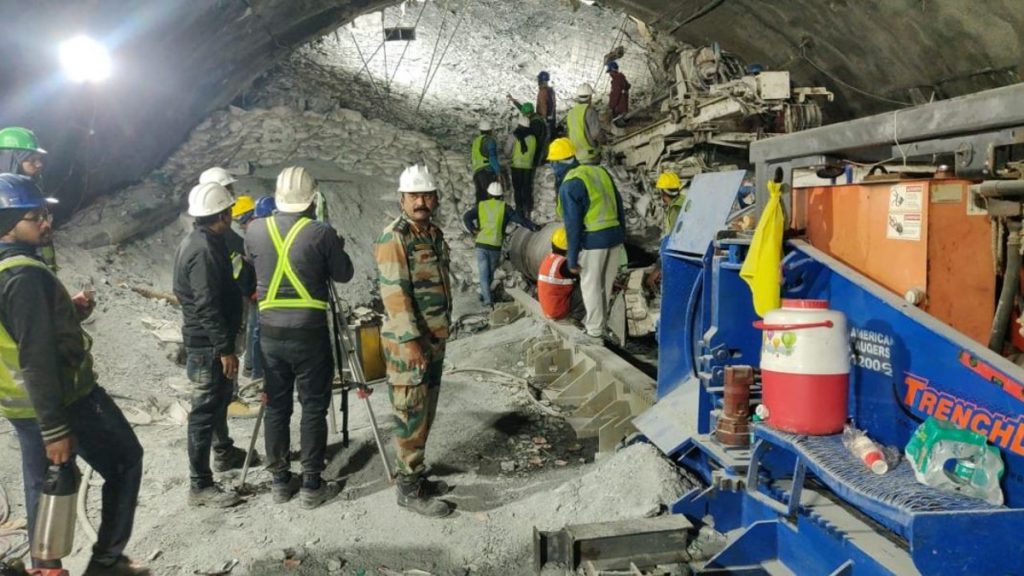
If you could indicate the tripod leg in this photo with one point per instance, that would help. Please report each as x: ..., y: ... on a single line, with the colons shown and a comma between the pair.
x: 252, y: 443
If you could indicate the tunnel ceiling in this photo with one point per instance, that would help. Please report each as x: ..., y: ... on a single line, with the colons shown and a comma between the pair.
x: 177, y: 61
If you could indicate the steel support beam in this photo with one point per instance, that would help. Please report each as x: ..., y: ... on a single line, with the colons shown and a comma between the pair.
x: 984, y: 112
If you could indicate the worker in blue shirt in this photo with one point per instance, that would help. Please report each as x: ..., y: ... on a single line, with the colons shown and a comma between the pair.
x: 595, y: 225
x: 483, y: 157
x: 488, y: 221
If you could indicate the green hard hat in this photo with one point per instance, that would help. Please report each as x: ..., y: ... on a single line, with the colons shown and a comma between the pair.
x: 526, y: 108
x: 20, y: 139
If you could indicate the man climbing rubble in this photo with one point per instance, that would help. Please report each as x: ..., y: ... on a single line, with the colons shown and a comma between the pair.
x: 595, y: 227
x: 295, y: 257
x: 413, y: 259
x: 522, y: 149
x: 618, y: 93
x: 48, y: 388
x: 211, y: 305
x: 546, y: 102
x: 489, y: 220
x: 483, y: 157
x: 672, y: 199
x: 583, y: 125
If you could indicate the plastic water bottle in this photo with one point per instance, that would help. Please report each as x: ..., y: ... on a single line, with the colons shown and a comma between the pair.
x: 956, y: 460
x: 865, y: 449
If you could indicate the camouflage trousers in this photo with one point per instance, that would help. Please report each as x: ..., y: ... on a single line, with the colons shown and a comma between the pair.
x: 414, y: 394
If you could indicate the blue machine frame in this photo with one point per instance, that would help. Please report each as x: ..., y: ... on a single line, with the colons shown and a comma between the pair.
x: 906, y: 366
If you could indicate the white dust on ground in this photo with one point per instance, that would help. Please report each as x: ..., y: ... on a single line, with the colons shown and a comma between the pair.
x: 490, y: 533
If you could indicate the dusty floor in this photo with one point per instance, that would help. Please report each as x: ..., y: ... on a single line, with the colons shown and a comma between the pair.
x: 513, y: 469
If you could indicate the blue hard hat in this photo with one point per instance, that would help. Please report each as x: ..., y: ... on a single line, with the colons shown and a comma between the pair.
x: 19, y: 192
x: 613, y: 65
x: 755, y: 69
x: 264, y: 207
x: 543, y: 76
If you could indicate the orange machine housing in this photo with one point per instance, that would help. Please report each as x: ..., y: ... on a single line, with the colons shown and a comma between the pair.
x: 910, y: 235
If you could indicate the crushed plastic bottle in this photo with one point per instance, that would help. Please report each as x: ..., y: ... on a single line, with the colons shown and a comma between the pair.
x: 865, y: 449
x: 956, y: 460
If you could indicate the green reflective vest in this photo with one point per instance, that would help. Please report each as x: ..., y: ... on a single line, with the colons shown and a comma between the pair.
x: 236, y: 265
x: 14, y: 399
x: 603, y: 212
x: 522, y: 159
x: 491, y: 215
x: 284, y: 268
x: 478, y: 156
x: 576, y: 123
x: 672, y: 214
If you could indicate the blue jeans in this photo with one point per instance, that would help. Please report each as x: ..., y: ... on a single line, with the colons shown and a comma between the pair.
x: 487, y: 261
x: 208, y: 419
x: 106, y: 441
x: 253, y: 352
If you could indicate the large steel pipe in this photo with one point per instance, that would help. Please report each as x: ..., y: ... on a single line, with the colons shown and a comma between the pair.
x: 527, y: 250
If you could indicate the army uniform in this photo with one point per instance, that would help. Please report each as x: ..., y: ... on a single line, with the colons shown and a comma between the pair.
x: 416, y: 290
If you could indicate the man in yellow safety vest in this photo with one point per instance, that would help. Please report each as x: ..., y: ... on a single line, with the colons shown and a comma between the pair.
x: 522, y: 148
x: 488, y: 222
x: 48, y: 388
x: 483, y: 157
x: 584, y: 127
x: 295, y: 258
x: 595, y: 227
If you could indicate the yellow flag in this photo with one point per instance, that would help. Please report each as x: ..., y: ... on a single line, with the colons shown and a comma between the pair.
x: 761, y: 269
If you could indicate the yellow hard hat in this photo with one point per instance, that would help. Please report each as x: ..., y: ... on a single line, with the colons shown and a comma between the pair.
x: 669, y: 182
x: 242, y: 205
x: 558, y: 238
x: 561, y: 149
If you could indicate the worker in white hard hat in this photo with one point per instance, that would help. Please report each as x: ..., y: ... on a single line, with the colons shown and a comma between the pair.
x: 483, y: 157
x: 295, y: 258
x: 584, y: 127
x: 211, y: 305
x: 413, y: 260
x: 488, y: 221
x: 523, y: 147
x: 242, y: 271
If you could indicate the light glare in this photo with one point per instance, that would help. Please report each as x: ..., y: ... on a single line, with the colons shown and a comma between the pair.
x: 84, y: 60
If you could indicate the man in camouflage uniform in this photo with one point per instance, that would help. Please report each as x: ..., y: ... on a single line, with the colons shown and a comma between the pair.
x: 412, y: 257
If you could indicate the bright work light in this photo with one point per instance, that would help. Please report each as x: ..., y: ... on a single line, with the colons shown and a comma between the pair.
x: 84, y: 59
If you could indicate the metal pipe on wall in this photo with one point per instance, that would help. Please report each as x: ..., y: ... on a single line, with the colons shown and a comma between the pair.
x: 1011, y: 284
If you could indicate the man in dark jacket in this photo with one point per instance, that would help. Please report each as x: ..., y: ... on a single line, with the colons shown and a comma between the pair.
x: 211, y: 304
x: 48, y: 389
x: 295, y: 259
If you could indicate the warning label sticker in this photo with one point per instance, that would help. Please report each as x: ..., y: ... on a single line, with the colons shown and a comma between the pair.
x: 905, y: 212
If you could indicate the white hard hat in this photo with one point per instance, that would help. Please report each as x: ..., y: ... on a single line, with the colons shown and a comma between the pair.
x: 209, y: 199
x: 217, y: 175
x: 416, y: 178
x: 494, y: 189
x: 585, y: 91
x: 524, y: 121
x: 295, y: 190
x: 485, y: 125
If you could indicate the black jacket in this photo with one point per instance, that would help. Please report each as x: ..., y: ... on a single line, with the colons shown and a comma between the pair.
x: 210, y: 299
x: 317, y: 257
x: 37, y: 312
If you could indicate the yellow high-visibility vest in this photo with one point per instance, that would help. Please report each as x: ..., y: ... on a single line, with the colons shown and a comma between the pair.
x: 284, y: 269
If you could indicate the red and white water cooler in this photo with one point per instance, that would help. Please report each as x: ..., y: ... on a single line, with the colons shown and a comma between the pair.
x: 805, y: 367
